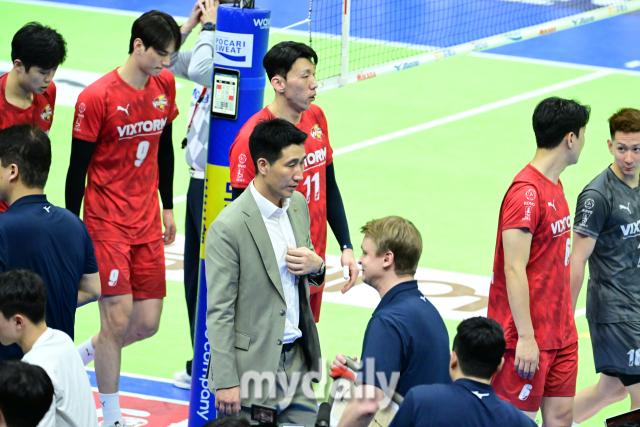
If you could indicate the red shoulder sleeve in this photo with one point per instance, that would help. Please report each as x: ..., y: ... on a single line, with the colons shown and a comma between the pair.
x: 521, y: 208
x: 170, y: 84
x: 325, y: 129
x: 240, y: 162
x: 51, y: 97
x: 89, y: 114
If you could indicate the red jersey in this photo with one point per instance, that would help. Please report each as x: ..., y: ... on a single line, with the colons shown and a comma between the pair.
x: 121, y: 198
x: 536, y: 203
x: 40, y: 113
x: 313, y: 186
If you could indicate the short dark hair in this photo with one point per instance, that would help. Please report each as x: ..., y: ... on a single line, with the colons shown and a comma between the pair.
x: 479, y: 345
x: 624, y: 120
x: 23, y: 292
x: 281, y: 57
x: 228, y: 422
x: 270, y: 137
x: 555, y: 117
x: 38, y: 45
x: 26, y: 393
x: 30, y: 148
x: 157, y: 30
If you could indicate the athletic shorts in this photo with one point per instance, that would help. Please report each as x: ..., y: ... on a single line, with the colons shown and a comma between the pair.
x: 315, y: 300
x: 138, y: 270
x: 616, y: 347
x: 555, y: 378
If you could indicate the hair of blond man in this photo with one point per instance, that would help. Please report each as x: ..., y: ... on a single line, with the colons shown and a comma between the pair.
x: 398, y: 236
x: 624, y: 120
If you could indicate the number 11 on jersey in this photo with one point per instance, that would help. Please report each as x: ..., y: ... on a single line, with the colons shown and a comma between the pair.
x: 316, y: 181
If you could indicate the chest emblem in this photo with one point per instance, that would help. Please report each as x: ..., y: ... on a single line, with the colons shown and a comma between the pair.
x: 160, y: 102
x: 316, y: 132
x: 46, y: 113
x: 530, y: 194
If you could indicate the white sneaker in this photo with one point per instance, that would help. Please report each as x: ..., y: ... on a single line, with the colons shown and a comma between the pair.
x: 121, y: 423
x: 182, y: 380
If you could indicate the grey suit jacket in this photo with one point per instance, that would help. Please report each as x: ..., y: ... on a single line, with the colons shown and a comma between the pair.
x: 246, y: 307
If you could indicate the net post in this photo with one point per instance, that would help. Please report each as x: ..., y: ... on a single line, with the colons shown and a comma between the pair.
x: 344, y: 59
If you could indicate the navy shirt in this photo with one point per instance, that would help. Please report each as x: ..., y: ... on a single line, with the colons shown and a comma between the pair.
x: 53, y: 242
x: 465, y: 403
x: 406, y: 334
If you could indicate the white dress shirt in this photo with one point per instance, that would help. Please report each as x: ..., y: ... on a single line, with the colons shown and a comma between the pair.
x: 281, y: 235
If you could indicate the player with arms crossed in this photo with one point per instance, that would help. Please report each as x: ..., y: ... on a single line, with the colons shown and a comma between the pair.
x: 122, y: 136
x: 605, y: 232
x: 27, y: 92
x: 291, y: 69
x: 530, y: 294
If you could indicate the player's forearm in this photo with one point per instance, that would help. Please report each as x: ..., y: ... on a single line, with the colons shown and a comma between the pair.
x: 81, y: 154
x: 166, y: 164
x: 336, y: 215
x: 362, y: 408
x: 518, y: 294
x: 577, y: 278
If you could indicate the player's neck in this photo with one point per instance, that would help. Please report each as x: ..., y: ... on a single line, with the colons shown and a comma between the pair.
x: 458, y: 375
x: 21, y: 191
x: 630, y: 180
x: 133, y: 75
x: 31, y: 334
x: 549, y: 163
x: 282, y: 110
x: 266, y: 192
x: 16, y: 94
x: 389, y: 282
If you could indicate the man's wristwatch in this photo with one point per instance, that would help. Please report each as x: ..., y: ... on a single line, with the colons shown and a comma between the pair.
x: 319, y: 273
x: 208, y: 26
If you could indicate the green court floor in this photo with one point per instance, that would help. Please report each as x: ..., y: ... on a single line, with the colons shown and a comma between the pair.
x: 449, y: 178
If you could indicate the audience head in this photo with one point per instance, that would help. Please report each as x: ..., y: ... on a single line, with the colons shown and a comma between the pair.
x: 391, y: 248
x: 36, y: 53
x: 228, y: 422
x: 478, y: 349
x: 277, y: 150
x: 25, y: 158
x: 154, y: 37
x: 624, y: 144
x: 291, y: 68
x: 23, y: 303
x: 26, y: 393
x: 561, y: 122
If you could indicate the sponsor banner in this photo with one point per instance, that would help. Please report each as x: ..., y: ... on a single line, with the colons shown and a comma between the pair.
x: 217, y: 195
x: 233, y: 49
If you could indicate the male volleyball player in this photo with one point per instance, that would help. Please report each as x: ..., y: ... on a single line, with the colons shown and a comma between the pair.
x: 122, y: 136
x: 27, y: 92
x: 530, y: 294
x: 291, y: 69
x: 606, y: 233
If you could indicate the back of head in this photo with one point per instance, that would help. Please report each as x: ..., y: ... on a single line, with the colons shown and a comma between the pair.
x: 30, y: 149
x: 624, y: 120
x: 555, y: 117
x: 157, y: 30
x: 38, y: 45
x: 270, y: 137
x: 479, y: 346
x: 23, y: 292
x: 26, y: 393
x: 399, y: 236
x: 280, y: 58
x: 228, y: 422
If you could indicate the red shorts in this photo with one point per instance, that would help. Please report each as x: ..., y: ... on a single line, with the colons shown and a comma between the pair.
x: 138, y: 270
x: 555, y: 378
x: 315, y: 300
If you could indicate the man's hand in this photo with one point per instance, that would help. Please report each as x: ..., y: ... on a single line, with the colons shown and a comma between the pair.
x: 527, y: 357
x: 169, y: 235
x: 193, y: 20
x: 209, y: 11
x: 340, y: 362
x: 228, y: 400
x: 348, y: 259
x: 303, y: 261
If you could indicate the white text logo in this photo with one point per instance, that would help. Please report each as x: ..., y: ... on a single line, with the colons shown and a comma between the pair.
x: 146, y: 126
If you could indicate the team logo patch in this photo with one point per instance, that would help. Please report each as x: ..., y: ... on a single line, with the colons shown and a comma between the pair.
x: 242, y: 159
x: 316, y: 132
x: 46, y: 113
x: 589, y: 203
x: 160, y: 102
x: 82, y: 108
x: 530, y: 194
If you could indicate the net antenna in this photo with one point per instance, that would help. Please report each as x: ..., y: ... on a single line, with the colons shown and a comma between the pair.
x: 360, y: 39
x: 247, y: 4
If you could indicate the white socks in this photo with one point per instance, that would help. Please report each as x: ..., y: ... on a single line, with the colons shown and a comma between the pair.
x: 87, y: 352
x: 110, y: 408
x: 575, y: 424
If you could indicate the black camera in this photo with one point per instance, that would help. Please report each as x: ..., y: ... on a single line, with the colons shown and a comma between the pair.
x: 266, y: 416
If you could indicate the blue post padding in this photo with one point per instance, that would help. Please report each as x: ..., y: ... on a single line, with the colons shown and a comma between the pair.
x: 242, y: 38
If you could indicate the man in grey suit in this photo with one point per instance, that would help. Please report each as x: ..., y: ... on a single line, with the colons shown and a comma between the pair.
x: 259, y: 265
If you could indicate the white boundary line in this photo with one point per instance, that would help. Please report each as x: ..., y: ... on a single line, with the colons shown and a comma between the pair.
x: 472, y: 112
x: 142, y: 377
x: 147, y: 397
x: 85, y: 8
x: 580, y: 312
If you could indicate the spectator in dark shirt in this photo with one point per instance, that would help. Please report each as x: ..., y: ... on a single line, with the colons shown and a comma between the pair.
x: 406, y: 342
x: 37, y: 236
x: 470, y: 401
x: 26, y: 393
